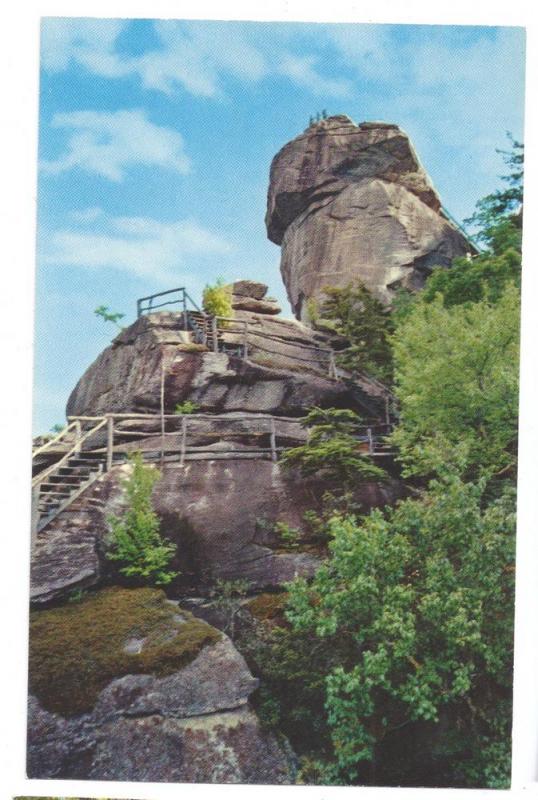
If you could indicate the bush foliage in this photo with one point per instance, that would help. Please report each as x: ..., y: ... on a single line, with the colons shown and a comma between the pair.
x: 135, y: 540
x: 217, y: 299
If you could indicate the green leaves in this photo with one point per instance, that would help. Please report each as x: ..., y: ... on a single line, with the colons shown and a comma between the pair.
x: 457, y: 384
x: 217, y: 299
x: 333, y: 449
x: 135, y: 538
x: 355, y: 314
x: 424, y: 605
x: 109, y: 316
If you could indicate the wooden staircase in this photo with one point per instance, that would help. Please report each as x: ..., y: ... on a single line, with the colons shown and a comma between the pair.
x: 206, y: 331
x: 56, y: 487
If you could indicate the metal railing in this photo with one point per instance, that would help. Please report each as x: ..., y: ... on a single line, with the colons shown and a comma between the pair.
x: 221, y: 334
x: 146, y: 305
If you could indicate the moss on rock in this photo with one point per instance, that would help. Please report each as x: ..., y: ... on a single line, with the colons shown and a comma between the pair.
x: 77, y: 649
x: 268, y: 606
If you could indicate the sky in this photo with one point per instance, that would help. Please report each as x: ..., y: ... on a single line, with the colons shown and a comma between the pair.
x: 156, y: 138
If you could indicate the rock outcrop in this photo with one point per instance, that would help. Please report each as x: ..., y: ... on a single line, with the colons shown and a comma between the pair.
x: 350, y: 203
x: 221, y: 514
x: 190, y: 722
x: 286, y: 372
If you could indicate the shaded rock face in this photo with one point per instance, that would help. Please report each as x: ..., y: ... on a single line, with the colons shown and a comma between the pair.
x: 350, y: 203
x: 221, y: 514
x: 192, y: 725
x: 283, y: 374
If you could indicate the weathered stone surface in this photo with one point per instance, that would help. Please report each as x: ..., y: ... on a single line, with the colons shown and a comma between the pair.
x: 68, y: 553
x: 242, y: 303
x: 228, y: 747
x: 217, y: 679
x: 247, y: 288
x: 65, y: 558
x: 193, y: 725
x: 286, y: 372
x: 220, y: 512
x: 349, y: 203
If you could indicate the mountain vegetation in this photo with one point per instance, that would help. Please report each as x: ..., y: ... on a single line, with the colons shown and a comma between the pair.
x: 408, y: 625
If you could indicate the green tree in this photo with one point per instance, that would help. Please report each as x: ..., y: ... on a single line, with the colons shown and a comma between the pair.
x: 495, y: 212
x: 333, y: 450
x: 364, y: 323
x: 135, y: 540
x: 217, y: 299
x: 499, y: 217
x: 421, y: 594
x: 456, y: 379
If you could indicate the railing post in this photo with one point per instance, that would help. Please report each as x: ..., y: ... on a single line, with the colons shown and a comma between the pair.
x: 109, y: 440
x: 35, y: 513
x: 214, y: 334
x: 387, y: 411
x: 78, y: 434
x: 245, y: 339
x: 274, y: 454
x: 162, y: 409
x: 370, y: 441
x: 185, y: 315
x: 138, y: 309
x: 183, y: 441
x: 332, y: 366
x: 204, y: 330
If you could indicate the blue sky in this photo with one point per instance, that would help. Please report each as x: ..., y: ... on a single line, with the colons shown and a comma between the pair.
x: 156, y: 139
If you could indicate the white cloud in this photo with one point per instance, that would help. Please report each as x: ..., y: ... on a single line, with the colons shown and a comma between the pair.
x: 108, y: 143
x: 140, y: 246
x: 194, y: 56
x: 301, y: 70
x: 86, y: 215
x: 90, y: 42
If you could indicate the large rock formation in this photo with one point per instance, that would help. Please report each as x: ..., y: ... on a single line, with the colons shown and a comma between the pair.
x: 189, y: 722
x: 221, y: 513
x: 349, y: 203
x: 283, y: 374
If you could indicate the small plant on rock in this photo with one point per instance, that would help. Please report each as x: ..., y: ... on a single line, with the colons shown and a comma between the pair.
x: 186, y: 407
x: 228, y: 596
x: 109, y: 316
x: 136, y: 542
x: 217, y: 299
x: 333, y: 449
x: 289, y: 537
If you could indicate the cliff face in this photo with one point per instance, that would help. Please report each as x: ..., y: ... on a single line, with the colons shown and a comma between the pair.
x: 350, y: 203
x: 287, y: 379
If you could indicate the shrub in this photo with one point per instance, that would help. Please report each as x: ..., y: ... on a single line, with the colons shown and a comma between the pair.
x: 333, y: 449
x: 135, y: 538
x: 217, y: 299
x: 289, y: 537
x: 186, y: 407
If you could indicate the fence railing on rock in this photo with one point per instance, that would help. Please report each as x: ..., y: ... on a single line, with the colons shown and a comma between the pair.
x: 235, y: 336
x: 90, y: 445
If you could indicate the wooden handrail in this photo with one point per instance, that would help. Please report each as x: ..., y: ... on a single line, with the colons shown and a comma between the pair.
x: 57, y: 464
x: 50, y: 442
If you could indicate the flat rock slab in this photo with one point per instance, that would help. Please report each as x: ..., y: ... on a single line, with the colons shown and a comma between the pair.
x: 217, y: 679
x: 229, y: 747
